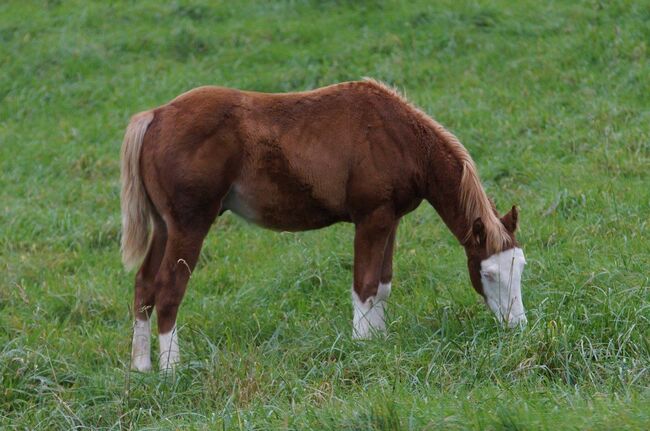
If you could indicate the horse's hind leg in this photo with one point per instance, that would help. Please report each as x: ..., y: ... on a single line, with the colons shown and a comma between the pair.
x: 145, y: 294
x: 181, y: 254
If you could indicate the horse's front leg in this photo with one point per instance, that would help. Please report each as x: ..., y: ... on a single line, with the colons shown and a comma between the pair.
x: 387, y: 265
x: 372, y: 240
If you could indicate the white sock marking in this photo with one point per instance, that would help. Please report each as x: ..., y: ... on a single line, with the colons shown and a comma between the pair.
x: 141, y: 346
x: 169, y: 352
x: 369, y: 317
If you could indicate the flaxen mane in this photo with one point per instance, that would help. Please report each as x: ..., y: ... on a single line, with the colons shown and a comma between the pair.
x: 473, y: 199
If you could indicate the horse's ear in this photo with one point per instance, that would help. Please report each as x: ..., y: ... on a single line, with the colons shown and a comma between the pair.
x: 511, y: 220
x: 478, y: 231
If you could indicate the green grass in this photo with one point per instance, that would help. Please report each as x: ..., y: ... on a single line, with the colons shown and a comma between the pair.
x: 552, y: 100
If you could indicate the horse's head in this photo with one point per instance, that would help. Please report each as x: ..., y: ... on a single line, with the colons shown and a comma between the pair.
x: 497, y: 276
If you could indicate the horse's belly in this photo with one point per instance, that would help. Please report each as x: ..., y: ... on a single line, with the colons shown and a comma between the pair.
x: 273, y: 208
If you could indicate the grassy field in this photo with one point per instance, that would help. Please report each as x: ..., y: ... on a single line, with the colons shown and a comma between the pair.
x: 552, y: 100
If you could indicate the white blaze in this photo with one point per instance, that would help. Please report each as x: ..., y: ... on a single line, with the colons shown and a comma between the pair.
x: 369, y: 316
x: 169, y: 352
x: 501, y: 279
x: 141, y: 347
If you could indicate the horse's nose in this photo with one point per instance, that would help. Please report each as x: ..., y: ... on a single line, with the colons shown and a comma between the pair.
x: 517, y: 321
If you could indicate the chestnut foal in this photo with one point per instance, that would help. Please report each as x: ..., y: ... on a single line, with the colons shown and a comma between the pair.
x: 355, y: 152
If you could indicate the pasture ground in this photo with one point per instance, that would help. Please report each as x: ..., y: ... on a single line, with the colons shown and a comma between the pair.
x: 552, y: 100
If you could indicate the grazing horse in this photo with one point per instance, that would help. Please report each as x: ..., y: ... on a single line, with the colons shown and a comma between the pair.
x: 357, y: 152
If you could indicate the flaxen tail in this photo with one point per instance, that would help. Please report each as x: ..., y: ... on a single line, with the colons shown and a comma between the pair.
x: 136, y: 206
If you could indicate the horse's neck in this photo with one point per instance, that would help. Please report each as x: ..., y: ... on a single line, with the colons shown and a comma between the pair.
x: 443, y: 175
